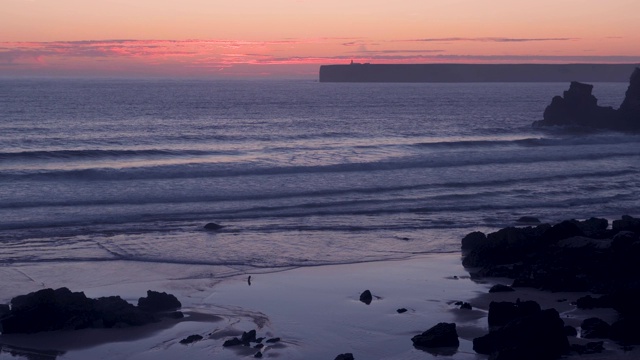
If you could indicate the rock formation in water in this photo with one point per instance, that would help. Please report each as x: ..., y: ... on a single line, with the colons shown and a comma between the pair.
x: 579, y: 108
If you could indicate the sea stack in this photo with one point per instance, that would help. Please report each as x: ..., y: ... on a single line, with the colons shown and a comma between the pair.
x: 579, y: 108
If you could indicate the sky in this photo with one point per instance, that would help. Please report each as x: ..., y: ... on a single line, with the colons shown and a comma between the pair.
x: 292, y: 38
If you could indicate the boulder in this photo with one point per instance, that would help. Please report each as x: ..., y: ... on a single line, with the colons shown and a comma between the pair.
x: 213, y: 226
x: 473, y: 240
x: 540, y: 336
x: 158, y: 301
x: 625, y: 331
x: 345, y: 356
x: 594, y: 347
x: 592, y: 328
x: 570, y: 331
x: 190, y: 339
x: 501, y: 288
x: 627, y: 223
x: 401, y: 311
x: 366, y: 297
x: 232, y: 342
x: 441, y: 335
x: 248, y: 337
x: 503, y: 312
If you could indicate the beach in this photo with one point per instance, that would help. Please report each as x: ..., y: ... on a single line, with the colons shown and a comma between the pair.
x: 315, y: 311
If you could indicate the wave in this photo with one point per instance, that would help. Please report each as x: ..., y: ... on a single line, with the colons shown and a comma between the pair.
x: 102, y: 154
x: 600, y: 139
x: 327, y: 193
x: 226, y: 170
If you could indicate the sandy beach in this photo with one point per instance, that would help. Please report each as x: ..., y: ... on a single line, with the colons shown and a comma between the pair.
x: 315, y: 311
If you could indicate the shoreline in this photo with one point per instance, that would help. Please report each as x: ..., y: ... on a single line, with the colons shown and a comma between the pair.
x: 315, y: 311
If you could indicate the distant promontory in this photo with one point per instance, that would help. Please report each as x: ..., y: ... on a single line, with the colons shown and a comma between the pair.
x: 443, y: 73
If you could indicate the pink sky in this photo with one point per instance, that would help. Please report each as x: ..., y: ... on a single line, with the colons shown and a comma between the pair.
x: 291, y: 38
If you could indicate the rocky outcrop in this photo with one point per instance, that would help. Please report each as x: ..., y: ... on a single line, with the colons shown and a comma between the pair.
x: 441, y: 335
x: 540, y: 336
x: 158, y: 301
x: 579, y: 108
x: 61, y: 309
x: 503, y: 312
x: 561, y: 258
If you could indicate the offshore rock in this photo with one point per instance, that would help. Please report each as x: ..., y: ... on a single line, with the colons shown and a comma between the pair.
x: 579, y: 108
x: 213, y: 226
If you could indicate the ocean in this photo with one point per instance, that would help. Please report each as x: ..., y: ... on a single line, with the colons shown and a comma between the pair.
x: 298, y: 172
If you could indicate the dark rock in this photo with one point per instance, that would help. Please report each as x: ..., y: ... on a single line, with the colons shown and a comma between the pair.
x: 594, y: 347
x: 4, y: 310
x: 466, y: 306
x: 501, y: 288
x: 248, y: 337
x: 213, y: 226
x: 233, y: 342
x: 273, y: 340
x: 472, y: 240
x: 61, y: 309
x: 401, y: 311
x: 505, y: 246
x: 540, y: 336
x: 503, y: 312
x: 627, y: 223
x: 594, y: 227
x: 345, y: 356
x: 366, y: 297
x: 441, y: 335
x: 570, y: 331
x: 528, y: 220
x: 258, y: 355
x: 625, y: 331
x: 175, y: 315
x: 563, y: 230
x: 579, y: 108
x: 114, y: 311
x: 259, y: 346
x: 190, y: 339
x: 589, y: 302
x: 259, y: 340
x: 630, y: 107
x: 158, y: 301
x: 595, y: 328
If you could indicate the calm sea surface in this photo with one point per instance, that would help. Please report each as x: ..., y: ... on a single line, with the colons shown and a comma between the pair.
x: 299, y: 172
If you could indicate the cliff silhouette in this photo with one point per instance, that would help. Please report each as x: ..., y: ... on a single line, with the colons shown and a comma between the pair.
x: 579, y: 108
x: 438, y: 73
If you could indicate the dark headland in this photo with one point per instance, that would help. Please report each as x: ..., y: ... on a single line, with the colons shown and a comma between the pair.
x: 442, y: 73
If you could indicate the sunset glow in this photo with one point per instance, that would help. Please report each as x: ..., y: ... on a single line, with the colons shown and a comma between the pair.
x: 253, y: 38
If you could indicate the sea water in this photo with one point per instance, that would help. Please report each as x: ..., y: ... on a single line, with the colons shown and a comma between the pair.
x: 298, y: 172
